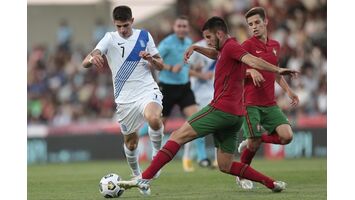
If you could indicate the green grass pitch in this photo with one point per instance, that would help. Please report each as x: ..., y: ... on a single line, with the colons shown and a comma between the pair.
x: 306, y: 179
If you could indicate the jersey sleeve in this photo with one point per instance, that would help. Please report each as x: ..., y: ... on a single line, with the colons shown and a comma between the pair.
x: 163, y: 48
x: 236, y: 51
x: 151, y: 48
x: 104, y: 43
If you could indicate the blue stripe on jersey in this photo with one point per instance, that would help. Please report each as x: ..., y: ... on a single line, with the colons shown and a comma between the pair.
x: 131, y: 62
x: 212, y: 66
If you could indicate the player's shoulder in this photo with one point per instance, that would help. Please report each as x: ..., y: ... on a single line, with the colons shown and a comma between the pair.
x: 274, y: 42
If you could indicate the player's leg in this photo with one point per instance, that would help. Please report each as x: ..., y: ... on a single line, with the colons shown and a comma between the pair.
x: 184, y: 134
x: 277, y: 125
x: 225, y: 141
x: 188, y: 107
x: 202, y: 159
x: 226, y: 165
x: 152, y: 114
x: 130, y: 119
x: 131, y: 152
x: 252, y: 131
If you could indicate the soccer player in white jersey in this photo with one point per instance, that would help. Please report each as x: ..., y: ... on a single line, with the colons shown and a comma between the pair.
x: 130, y: 53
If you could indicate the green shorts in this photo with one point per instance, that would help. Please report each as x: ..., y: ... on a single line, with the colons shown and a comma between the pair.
x: 223, y: 126
x: 258, y: 117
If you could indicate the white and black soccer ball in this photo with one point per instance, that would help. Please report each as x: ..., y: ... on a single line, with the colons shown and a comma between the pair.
x: 108, y: 186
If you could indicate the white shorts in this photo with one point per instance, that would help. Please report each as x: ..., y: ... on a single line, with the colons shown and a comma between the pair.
x: 131, y: 115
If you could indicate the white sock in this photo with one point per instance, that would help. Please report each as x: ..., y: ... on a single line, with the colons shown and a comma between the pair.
x: 187, y: 147
x: 132, y: 159
x: 156, y: 138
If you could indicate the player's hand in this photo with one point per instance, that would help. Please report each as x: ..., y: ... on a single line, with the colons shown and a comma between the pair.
x: 258, y: 79
x: 294, y: 98
x: 289, y: 72
x: 146, y: 56
x: 188, y: 53
x: 176, y: 68
x: 98, y: 61
x: 206, y: 76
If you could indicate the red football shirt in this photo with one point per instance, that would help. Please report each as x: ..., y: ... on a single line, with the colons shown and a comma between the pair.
x: 229, y: 79
x: 265, y: 94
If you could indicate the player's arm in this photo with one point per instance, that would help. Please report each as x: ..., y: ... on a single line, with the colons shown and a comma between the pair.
x: 256, y: 76
x: 201, y: 75
x: 93, y: 58
x: 209, y: 52
x: 258, y: 63
x: 156, y: 61
x: 283, y: 84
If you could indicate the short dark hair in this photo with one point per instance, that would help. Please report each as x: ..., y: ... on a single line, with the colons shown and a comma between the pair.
x: 183, y: 17
x: 122, y: 13
x: 214, y: 24
x: 256, y: 11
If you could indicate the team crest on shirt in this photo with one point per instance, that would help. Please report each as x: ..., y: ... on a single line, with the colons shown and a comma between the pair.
x: 274, y: 51
x: 142, y: 43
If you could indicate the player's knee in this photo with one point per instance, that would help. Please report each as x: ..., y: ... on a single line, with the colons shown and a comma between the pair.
x: 286, y: 139
x: 154, y: 122
x: 131, y: 146
x: 224, y: 167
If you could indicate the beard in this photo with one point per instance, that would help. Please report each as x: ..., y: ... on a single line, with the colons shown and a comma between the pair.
x: 217, y: 44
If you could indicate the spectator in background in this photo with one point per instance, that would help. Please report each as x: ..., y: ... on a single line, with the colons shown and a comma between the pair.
x: 99, y: 31
x: 64, y: 35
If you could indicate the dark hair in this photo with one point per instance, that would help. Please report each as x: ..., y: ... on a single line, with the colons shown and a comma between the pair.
x: 256, y: 11
x: 122, y: 13
x: 182, y: 17
x: 214, y: 24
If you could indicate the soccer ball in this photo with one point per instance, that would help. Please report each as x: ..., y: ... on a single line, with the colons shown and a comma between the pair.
x: 108, y: 186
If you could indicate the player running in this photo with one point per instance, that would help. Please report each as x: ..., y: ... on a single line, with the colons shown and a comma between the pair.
x: 129, y: 53
x: 261, y: 107
x: 224, y: 116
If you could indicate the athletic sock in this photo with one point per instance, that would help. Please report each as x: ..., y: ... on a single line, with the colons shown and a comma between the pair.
x: 201, y: 148
x: 187, y: 147
x: 245, y: 171
x: 164, y: 155
x: 272, y: 138
x: 132, y: 159
x: 247, y: 156
x: 156, y: 138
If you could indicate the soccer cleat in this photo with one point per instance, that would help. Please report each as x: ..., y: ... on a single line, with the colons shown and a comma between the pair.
x: 142, y: 185
x: 279, y: 186
x: 244, y: 183
x: 242, y: 146
x: 187, y: 165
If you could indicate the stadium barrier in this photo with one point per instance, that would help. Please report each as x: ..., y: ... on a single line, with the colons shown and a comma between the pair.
x: 103, y: 141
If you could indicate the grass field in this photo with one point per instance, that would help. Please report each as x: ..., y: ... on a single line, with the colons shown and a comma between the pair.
x: 306, y: 179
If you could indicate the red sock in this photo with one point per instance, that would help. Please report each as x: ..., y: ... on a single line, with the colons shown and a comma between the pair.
x: 164, y: 155
x: 247, y: 156
x: 272, y: 138
x: 245, y: 171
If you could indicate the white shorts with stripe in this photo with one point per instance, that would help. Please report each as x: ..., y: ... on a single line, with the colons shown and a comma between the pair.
x: 131, y: 115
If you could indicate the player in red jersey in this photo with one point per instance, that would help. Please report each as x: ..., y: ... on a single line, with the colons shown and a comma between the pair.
x: 259, y: 94
x: 223, y: 117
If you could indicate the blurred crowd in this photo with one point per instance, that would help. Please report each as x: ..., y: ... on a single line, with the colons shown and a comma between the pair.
x: 61, y: 91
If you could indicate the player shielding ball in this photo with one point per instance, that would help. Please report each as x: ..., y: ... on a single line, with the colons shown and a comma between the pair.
x: 224, y: 116
x: 129, y: 53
